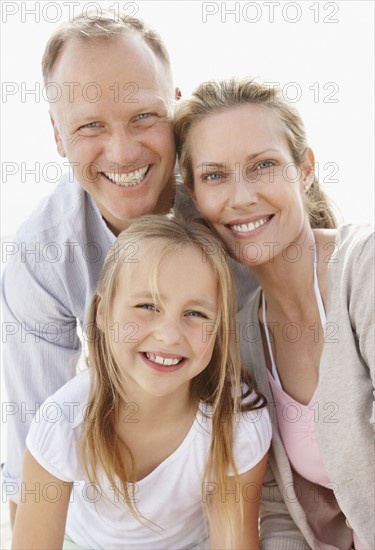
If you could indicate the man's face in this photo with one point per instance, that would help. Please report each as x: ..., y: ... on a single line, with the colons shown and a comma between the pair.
x: 112, y: 123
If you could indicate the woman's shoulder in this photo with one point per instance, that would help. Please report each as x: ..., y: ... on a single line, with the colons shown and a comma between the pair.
x: 351, y: 277
x: 346, y: 239
x: 355, y: 238
x: 343, y: 250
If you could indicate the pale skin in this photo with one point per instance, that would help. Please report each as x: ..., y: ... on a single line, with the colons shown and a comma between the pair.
x: 298, y: 306
x: 31, y: 527
x: 171, y: 327
x: 238, y: 189
x: 246, y: 532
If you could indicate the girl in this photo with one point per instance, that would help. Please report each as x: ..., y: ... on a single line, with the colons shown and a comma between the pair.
x: 308, y: 333
x: 163, y: 422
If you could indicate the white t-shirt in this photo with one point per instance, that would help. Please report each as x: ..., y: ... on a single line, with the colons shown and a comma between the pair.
x: 170, y: 497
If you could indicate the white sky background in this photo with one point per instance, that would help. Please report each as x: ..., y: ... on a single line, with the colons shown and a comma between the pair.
x: 329, y: 48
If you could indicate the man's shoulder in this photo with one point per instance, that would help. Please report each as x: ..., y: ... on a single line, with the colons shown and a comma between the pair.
x: 55, y: 212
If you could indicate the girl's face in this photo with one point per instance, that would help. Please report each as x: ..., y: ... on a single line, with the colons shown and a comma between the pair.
x: 161, y: 344
x: 246, y: 183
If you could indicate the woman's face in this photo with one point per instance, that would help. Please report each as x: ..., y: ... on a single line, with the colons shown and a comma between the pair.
x: 246, y: 183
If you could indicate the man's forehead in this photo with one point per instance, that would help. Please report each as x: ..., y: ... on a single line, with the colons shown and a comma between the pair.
x: 124, y: 70
x: 130, y: 51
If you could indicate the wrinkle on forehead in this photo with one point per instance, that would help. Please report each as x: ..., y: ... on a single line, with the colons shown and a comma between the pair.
x: 125, y: 60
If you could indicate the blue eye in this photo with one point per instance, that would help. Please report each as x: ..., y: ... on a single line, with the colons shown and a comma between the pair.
x: 264, y: 164
x: 196, y: 314
x: 213, y: 176
x: 150, y: 307
x: 144, y: 120
x: 86, y: 129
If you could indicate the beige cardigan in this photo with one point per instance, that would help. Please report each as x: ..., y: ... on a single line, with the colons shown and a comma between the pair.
x: 313, y: 517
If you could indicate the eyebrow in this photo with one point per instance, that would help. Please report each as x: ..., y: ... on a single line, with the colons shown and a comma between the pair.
x: 266, y: 151
x: 219, y: 165
x: 206, y: 304
x: 154, y: 104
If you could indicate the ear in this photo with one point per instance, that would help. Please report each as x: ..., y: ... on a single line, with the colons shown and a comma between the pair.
x: 308, y: 170
x: 177, y: 94
x: 56, y: 133
x: 99, y: 312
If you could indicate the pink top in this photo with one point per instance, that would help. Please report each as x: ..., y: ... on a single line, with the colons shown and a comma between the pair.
x: 296, y: 422
x: 297, y: 430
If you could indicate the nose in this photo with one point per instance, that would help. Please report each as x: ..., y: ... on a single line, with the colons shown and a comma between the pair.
x: 123, y: 149
x: 243, y: 193
x: 168, y: 331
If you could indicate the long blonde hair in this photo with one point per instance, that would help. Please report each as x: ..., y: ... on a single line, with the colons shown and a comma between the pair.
x: 219, y: 386
x: 210, y: 97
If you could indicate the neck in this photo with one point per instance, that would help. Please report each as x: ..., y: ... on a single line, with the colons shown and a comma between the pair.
x: 157, y: 410
x: 163, y: 206
x: 288, y: 284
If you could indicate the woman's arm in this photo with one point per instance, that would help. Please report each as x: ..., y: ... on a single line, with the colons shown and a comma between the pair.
x: 42, y: 510
x: 277, y: 528
x: 248, y: 491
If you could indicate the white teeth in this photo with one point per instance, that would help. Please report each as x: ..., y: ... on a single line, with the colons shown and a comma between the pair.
x: 127, y: 180
x: 247, y: 227
x: 168, y: 361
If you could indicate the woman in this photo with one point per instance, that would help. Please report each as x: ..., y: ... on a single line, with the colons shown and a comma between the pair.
x: 308, y: 333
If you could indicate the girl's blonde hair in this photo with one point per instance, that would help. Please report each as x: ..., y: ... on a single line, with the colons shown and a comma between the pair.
x: 219, y: 386
x: 210, y: 97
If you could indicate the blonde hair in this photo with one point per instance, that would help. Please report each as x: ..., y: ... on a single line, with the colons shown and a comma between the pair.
x: 210, y: 97
x: 219, y: 385
x: 106, y: 26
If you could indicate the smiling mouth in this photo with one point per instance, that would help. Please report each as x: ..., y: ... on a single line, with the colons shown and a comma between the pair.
x: 164, y: 361
x: 248, y: 227
x: 130, y: 179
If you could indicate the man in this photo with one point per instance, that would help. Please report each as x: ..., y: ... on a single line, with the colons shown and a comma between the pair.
x: 112, y: 120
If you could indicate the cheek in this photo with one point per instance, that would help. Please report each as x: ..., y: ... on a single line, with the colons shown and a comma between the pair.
x: 208, y: 203
x: 162, y: 138
x: 205, y: 346
x: 83, y: 147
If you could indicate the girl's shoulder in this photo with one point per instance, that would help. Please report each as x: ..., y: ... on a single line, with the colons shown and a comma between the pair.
x: 252, y: 432
x: 55, y: 432
x: 252, y: 438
